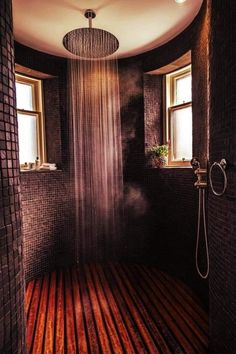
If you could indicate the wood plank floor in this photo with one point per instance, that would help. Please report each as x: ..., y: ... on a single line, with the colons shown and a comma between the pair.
x: 113, y: 308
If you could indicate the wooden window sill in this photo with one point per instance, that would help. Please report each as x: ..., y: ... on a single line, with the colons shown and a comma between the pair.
x: 40, y: 171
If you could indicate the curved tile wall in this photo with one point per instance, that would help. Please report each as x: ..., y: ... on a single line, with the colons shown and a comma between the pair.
x: 11, y: 266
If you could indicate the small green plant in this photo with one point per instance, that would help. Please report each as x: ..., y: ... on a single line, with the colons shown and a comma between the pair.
x: 159, y: 150
x: 157, y: 156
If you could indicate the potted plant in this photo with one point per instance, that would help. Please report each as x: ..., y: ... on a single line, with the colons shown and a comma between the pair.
x: 157, y: 156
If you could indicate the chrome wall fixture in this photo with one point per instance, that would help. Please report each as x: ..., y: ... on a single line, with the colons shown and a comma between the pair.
x: 201, y: 173
x: 201, y: 184
x: 222, y: 165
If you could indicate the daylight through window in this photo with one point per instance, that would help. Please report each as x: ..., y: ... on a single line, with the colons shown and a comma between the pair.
x: 179, y: 116
x: 30, y: 119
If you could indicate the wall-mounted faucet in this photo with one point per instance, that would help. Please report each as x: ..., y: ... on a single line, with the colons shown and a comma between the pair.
x: 195, y: 163
x: 201, y: 173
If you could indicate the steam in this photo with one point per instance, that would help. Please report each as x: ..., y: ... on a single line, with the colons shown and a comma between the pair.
x: 135, y: 201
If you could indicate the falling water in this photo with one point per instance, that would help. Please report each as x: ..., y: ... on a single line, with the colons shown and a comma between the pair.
x: 96, y: 144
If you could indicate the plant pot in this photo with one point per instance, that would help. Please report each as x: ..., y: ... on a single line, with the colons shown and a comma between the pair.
x: 157, y: 162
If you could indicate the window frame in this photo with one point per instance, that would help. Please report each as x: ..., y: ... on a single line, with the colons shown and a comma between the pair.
x: 170, y: 106
x: 37, y: 103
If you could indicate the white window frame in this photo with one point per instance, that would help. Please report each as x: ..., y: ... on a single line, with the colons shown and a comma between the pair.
x: 37, y: 111
x: 170, y: 106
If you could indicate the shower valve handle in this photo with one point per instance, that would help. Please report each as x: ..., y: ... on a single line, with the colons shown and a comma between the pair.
x: 200, y: 184
x: 200, y: 171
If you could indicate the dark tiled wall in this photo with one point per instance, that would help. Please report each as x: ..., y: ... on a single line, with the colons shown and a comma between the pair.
x: 52, y: 121
x: 222, y: 210
x: 172, y: 235
x: 12, y: 324
x: 200, y: 92
x: 47, y: 216
x: 153, y: 109
x: 47, y: 197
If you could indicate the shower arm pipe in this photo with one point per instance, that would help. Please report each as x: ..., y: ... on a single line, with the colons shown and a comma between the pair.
x: 90, y: 15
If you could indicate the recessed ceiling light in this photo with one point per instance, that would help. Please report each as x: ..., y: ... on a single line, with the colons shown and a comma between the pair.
x: 180, y: 1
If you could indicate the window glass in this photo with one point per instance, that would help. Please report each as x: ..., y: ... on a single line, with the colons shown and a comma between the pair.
x: 179, y: 116
x: 27, y: 129
x: 181, y: 121
x: 183, y: 89
x: 30, y: 120
x: 24, y: 96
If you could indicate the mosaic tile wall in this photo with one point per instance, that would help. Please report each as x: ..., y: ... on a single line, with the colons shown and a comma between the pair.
x: 52, y: 123
x: 153, y: 109
x: 12, y: 324
x: 48, y: 227
x: 47, y: 197
x: 200, y: 88
x: 222, y: 210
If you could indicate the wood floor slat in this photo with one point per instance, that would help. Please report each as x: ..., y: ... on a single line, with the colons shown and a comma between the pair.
x: 107, y: 315
x: 33, y: 314
x: 28, y: 296
x: 88, y: 313
x: 192, y: 319
x: 183, y: 335
x: 117, y: 315
x: 182, y: 320
x: 102, y: 332
x: 69, y: 318
x: 185, y: 294
x: 153, y: 329
x: 126, y: 315
x: 155, y: 314
x: 137, y: 312
x: 41, y: 318
x: 50, y: 320
x: 116, y: 309
x: 79, y: 318
x: 60, y: 333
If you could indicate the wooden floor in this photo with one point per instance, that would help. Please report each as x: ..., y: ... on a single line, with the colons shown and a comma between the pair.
x: 113, y: 309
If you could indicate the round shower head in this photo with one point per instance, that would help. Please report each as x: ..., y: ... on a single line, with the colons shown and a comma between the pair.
x: 90, y: 43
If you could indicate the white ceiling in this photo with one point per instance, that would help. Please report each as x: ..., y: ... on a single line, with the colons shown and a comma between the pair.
x: 139, y: 25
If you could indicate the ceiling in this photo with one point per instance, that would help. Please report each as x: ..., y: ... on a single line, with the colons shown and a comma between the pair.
x: 139, y: 25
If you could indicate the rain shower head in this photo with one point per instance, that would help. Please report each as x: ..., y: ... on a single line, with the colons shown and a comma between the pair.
x: 90, y: 43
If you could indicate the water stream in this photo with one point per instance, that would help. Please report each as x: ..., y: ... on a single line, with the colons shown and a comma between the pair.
x: 94, y: 109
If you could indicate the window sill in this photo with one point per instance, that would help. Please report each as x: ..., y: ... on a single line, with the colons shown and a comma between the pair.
x: 169, y: 168
x: 40, y: 171
x: 178, y: 167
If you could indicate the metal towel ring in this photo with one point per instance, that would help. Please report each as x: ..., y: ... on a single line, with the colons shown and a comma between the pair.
x: 222, y: 166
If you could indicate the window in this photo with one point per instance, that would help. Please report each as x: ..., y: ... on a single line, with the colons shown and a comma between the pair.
x: 30, y: 119
x: 178, y: 125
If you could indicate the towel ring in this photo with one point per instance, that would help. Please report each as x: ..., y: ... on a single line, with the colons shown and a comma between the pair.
x: 222, y: 165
